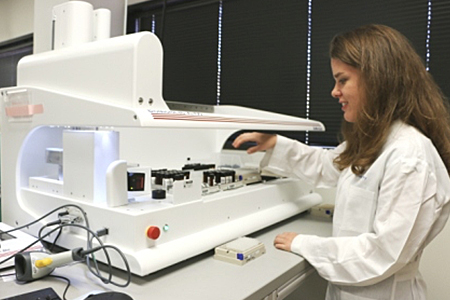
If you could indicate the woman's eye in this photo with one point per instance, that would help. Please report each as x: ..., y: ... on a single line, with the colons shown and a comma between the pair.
x: 342, y: 81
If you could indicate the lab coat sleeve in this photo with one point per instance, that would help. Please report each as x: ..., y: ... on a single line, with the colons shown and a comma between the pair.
x: 407, y: 209
x: 291, y: 158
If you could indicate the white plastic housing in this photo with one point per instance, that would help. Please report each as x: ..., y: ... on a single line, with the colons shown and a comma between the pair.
x: 86, y: 158
x: 73, y: 24
x: 116, y: 184
x: 102, y: 24
x: 125, y: 70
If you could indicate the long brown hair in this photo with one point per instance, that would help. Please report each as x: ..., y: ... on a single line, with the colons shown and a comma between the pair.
x: 396, y: 86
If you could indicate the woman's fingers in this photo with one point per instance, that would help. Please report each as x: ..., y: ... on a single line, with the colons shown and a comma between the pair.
x: 284, y: 240
x: 263, y: 141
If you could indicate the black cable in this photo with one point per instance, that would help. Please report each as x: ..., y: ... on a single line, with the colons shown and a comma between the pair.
x: 47, y: 225
x: 52, y: 245
x: 86, y: 221
x: 97, y: 270
x: 127, y: 266
x: 89, y: 245
x: 47, y: 214
x: 67, y: 286
x: 23, y: 249
x: 101, y: 247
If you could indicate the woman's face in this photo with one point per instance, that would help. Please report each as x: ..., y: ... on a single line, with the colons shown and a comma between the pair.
x: 347, y: 88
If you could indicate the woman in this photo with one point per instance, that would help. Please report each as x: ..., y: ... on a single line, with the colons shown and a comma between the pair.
x: 391, y: 173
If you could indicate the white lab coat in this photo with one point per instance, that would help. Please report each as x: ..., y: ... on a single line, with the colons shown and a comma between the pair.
x: 382, y: 220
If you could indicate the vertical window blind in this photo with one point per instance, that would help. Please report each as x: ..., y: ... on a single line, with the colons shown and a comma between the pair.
x: 264, y: 55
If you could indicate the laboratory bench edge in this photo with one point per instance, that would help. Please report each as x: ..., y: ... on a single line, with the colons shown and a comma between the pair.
x: 202, y: 277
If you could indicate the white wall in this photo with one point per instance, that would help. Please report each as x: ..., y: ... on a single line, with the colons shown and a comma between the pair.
x: 435, y: 266
x: 130, y: 2
x: 16, y: 18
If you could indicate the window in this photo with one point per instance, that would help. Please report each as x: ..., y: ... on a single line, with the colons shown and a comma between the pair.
x: 10, y: 54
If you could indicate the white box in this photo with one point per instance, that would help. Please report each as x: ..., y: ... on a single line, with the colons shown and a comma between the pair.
x: 240, y: 251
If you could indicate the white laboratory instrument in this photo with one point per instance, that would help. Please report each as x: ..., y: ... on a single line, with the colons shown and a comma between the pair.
x: 87, y: 122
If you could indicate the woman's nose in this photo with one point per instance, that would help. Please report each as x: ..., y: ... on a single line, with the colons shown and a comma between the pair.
x: 335, y: 93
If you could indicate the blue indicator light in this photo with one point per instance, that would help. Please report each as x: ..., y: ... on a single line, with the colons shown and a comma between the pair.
x: 240, y: 256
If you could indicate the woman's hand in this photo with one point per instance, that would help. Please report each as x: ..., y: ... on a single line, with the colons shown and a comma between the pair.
x: 264, y: 141
x: 284, y: 240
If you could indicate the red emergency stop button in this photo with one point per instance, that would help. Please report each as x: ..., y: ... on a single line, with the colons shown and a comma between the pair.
x: 153, y: 232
